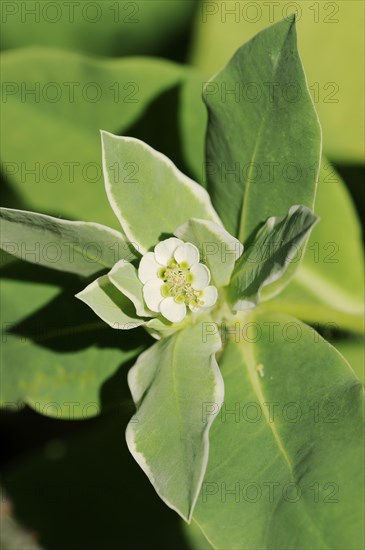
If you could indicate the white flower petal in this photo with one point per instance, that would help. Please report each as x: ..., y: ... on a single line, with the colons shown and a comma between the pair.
x: 148, y: 267
x: 187, y: 252
x: 209, y: 297
x: 172, y: 311
x: 164, y: 250
x: 201, y: 276
x: 152, y: 294
x: 194, y: 309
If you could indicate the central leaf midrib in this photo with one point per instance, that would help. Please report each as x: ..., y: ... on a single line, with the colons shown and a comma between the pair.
x: 246, y: 189
x: 174, y: 354
x: 247, y: 352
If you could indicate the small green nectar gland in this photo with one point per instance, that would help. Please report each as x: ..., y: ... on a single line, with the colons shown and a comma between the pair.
x: 178, y: 279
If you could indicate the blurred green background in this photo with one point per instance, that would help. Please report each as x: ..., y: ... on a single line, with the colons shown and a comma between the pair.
x: 69, y: 69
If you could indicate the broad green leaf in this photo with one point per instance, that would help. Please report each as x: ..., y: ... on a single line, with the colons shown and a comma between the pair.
x: 263, y: 155
x: 337, y: 89
x: 123, y: 27
x: 76, y: 247
x: 74, y: 96
x: 269, y: 256
x: 125, y: 278
x: 56, y: 357
x: 113, y: 307
x: 218, y: 248
x: 286, y: 460
x: 168, y: 438
x: 328, y: 286
x: 152, y: 190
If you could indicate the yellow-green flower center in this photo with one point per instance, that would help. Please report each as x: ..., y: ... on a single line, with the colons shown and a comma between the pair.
x: 177, y: 283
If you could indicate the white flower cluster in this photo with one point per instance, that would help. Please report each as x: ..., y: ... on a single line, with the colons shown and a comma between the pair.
x: 174, y: 280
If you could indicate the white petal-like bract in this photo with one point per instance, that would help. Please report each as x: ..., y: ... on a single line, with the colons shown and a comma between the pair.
x: 148, y: 267
x: 201, y: 276
x: 188, y: 253
x: 164, y: 250
x: 152, y: 294
x: 172, y: 311
x: 209, y: 297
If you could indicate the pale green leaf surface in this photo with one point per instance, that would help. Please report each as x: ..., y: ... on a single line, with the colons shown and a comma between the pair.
x: 262, y: 156
x: 269, y: 256
x: 113, y: 307
x: 167, y: 436
x: 51, y: 369
x: 157, y: 192
x: 218, y: 248
x: 354, y: 352
x: 125, y: 278
x: 288, y: 443
x: 83, y: 248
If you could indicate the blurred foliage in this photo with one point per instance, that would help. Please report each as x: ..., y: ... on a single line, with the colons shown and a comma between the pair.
x: 107, y: 27
x: 12, y: 535
x: 82, y: 489
x: 331, y: 44
x: 61, y: 160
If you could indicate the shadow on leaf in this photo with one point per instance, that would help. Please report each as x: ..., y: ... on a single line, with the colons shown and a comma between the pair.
x: 66, y: 324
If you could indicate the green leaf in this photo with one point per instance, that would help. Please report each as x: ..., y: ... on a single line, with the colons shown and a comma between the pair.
x: 337, y: 91
x: 218, y: 248
x: 76, y: 247
x: 167, y: 437
x: 113, y: 307
x: 328, y: 286
x: 269, y: 256
x: 286, y: 460
x: 75, y: 95
x: 142, y: 182
x: 55, y: 356
x: 194, y: 535
x: 124, y: 277
x: 353, y: 349
x: 263, y: 155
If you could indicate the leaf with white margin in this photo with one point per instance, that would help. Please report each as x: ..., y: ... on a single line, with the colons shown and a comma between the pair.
x: 168, y: 436
x: 124, y: 277
x: 76, y: 247
x: 219, y: 250
x: 286, y: 462
x: 110, y: 304
x: 269, y: 256
x: 148, y: 194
